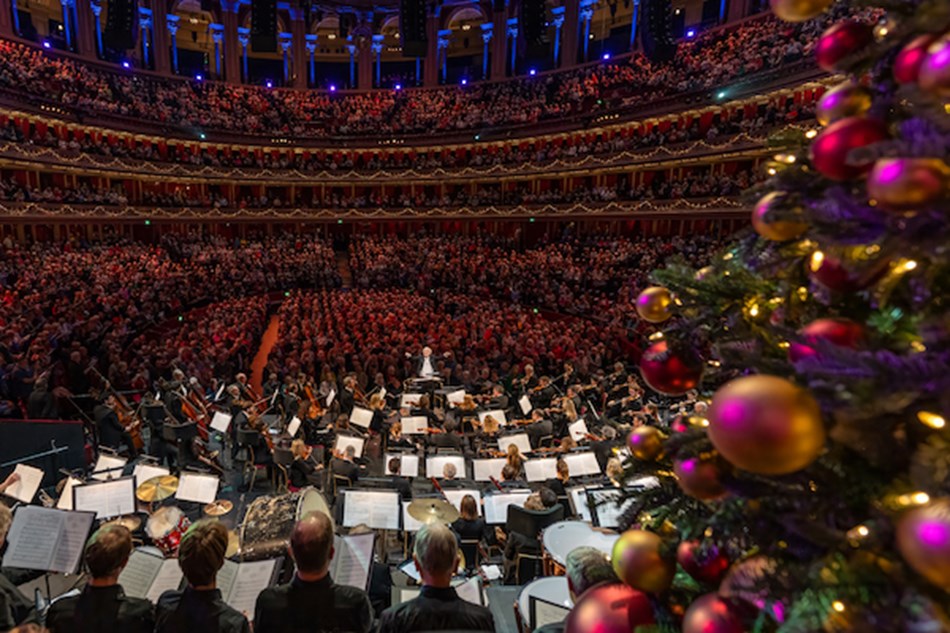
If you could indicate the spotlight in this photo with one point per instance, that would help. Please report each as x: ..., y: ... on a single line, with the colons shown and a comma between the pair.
x: 532, y: 72
x: 721, y: 95
x: 199, y: 77
x: 269, y: 84
x: 126, y: 65
x: 398, y: 86
x: 46, y: 44
x: 332, y: 88
x: 464, y: 81
x: 606, y: 56
x: 691, y: 33
x: 202, y: 136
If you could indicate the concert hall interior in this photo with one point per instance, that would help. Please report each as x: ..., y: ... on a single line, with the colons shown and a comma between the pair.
x: 596, y: 316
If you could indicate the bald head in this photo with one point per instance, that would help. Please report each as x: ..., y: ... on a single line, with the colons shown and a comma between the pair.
x: 311, y: 544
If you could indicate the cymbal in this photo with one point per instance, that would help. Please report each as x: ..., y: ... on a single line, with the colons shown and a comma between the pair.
x: 218, y: 507
x: 433, y: 511
x: 131, y: 522
x: 157, y: 488
x: 234, y: 544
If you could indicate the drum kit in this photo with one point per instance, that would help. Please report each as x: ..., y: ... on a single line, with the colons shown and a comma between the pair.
x: 433, y: 511
x: 269, y: 521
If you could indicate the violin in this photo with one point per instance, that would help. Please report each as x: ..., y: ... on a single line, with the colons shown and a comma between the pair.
x: 434, y: 431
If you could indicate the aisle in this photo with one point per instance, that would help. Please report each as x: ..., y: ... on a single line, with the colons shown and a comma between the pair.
x: 343, y: 266
x: 268, y: 340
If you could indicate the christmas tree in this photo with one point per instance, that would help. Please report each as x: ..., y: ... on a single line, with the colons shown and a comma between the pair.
x: 814, y: 494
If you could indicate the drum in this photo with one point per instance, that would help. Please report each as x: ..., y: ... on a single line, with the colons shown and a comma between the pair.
x: 553, y: 592
x: 165, y: 527
x: 269, y: 522
x: 559, y: 539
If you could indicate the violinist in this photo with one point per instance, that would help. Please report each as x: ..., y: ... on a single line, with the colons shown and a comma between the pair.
x: 539, y: 427
x: 303, y: 470
x: 344, y: 464
x: 498, y: 400
x: 543, y: 394
x: 562, y: 480
x: 529, y: 381
x: 400, y: 483
x: 515, y: 459
x: 450, y: 439
x: 396, y: 438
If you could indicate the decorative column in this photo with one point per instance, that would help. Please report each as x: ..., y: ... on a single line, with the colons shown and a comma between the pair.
x: 68, y: 21
x: 229, y: 17
x: 378, y: 53
x: 364, y: 63
x: 244, y: 39
x: 587, y: 16
x: 499, y: 53
x: 160, y: 42
x: 443, y: 47
x: 299, y: 29
x: 16, y: 17
x: 512, y: 32
x: 634, y: 19
x: 738, y: 9
x: 486, y: 38
x: 285, y: 40
x: 557, y: 19
x: 431, y: 70
x: 85, y: 30
x: 217, y: 37
x: 96, y: 9
x: 311, y: 41
x: 145, y: 26
x: 171, y: 23
x: 6, y: 18
x: 351, y: 48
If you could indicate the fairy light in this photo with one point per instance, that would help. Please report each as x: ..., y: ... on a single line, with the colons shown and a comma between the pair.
x: 656, y: 336
x: 908, y: 265
x: 811, y: 133
x: 932, y: 420
x: 816, y: 259
x: 918, y: 347
x: 754, y: 310
x: 772, y: 171
x: 802, y: 293
x: 784, y: 345
x: 838, y: 606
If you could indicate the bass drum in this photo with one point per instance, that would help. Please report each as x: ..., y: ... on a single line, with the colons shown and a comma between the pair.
x: 269, y: 522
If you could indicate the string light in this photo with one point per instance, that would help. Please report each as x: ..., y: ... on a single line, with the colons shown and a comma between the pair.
x: 656, y: 336
x: 838, y: 606
x: 932, y: 420
x: 816, y: 259
x: 811, y: 133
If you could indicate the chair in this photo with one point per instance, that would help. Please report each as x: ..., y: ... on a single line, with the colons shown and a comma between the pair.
x: 249, y: 439
x: 530, y: 524
x: 283, y: 459
x: 341, y: 482
x: 472, y: 550
x: 546, y: 441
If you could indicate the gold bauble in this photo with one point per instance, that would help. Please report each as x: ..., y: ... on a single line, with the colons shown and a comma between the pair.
x: 844, y: 100
x: 934, y: 74
x: 766, y: 425
x: 799, y: 10
x: 655, y: 304
x: 923, y: 539
x: 906, y: 184
x: 775, y: 230
x: 637, y: 561
x: 646, y: 443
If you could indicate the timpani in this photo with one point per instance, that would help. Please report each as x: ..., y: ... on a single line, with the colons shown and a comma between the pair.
x: 559, y: 539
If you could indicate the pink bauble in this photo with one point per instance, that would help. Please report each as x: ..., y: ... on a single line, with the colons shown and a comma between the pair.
x: 829, y: 152
x: 610, y: 608
x: 841, y: 332
x: 668, y: 372
x: 907, y: 184
x: 712, y: 614
x: 709, y: 568
x: 935, y: 70
x: 840, y: 41
x: 908, y: 61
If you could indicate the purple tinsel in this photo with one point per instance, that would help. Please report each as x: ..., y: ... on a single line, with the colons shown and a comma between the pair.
x: 854, y: 220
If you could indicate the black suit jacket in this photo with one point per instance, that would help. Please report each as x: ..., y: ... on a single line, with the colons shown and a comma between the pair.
x: 310, y: 607
x: 345, y: 468
x: 107, y: 422
x: 40, y: 405
x: 192, y: 611
x: 101, y: 610
x: 436, y: 610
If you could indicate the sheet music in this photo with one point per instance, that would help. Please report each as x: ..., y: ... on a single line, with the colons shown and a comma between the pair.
x: 47, y: 539
x: 30, y: 480
x: 578, y: 498
x: 376, y: 509
x: 342, y: 441
x: 330, y: 397
x: 107, y: 463
x: 455, y: 397
x: 544, y: 612
x: 72, y: 541
x: 353, y: 560
x: 435, y: 465
x: 65, y: 501
x: 409, y: 400
x: 525, y: 403
x: 168, y: 578
x: 197, y: 487
x: 485, y: 469
x: 361, y: 417
x: 382, y: 392
x: 136, y: 579
x: 520, y: 440
x: 409, y: 568
x: 470, y: 590
x: 496, y: 505
x: 578, y: 430
x: 106, y: 498
x: 251, y: 578
x: 409, y: 464
x: 144, y: 472
x: 217, y: 394
x: 409, y: 524
x: 604, y: 508
x: 583, y: 463
x: 498, y: 414
x: 220, y: 421
x: 294, y: 426
x: 541, y: 469
x: 455, y: 498
x: 414, y: 424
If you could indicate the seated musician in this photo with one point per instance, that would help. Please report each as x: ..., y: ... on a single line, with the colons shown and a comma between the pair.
x: 449, y: 478
x: 585, y: 567
x: 303, y: 470
x: 312, y: 601
x: 344, y: 464
x: 510, y: 479
x: 543, y: 394
x: 539, y: 427
x: 15, y: 608
x: 603, y: 445
x: 450, y: 439
x: 111, y: 432
x: 498, y: 398
x: 614, y: 472
x: 103, y: 606
x: 396, y: 439
x: 400, y: 484
x: 517, y: 543
x: 515, y: 459
x: 471, y: 527
x: 200, y: 606
x: 438, y: 607
x: 559, y: 484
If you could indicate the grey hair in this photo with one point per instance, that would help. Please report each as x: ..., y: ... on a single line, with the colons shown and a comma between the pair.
x: 436, y: 548
x: 6, y: 518
x: 586, y: 567
x: 449, y: 471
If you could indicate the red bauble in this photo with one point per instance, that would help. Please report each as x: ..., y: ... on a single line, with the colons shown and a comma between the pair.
x: 712, y: 614
x: 829, y: 152
x: 610, y: 608
x: 908, y: 61
x: 829, y: 271
x: 668, y: 372
x: 709, y: 568
x: 840, y: 41
x: 841, y: 332
x: 699, y: 478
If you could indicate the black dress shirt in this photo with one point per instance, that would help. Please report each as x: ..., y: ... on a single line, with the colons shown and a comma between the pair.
x: 192, y: 611
x: 15, y: 608
x: 320, y: 606
x: 101, y: 610
x: 436, y: 610
x: 402, y: 485
x: 303, y: 473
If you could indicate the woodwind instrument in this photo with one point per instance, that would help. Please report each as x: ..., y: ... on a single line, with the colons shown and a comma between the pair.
x: 497, y: 485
